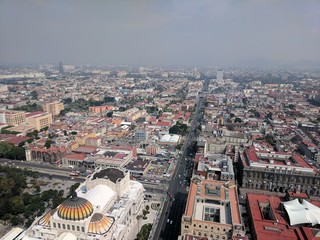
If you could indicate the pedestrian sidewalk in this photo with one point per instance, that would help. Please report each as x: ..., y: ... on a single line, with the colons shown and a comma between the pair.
x: 152, y: 217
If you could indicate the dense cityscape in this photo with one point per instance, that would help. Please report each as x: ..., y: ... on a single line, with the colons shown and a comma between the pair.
x: 104, y: 152
x: 159, y: 120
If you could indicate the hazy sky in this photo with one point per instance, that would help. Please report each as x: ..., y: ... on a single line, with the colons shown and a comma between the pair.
x: 179, y: 32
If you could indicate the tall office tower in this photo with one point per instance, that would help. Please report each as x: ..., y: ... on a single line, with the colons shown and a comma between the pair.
x: 61, y: 70
x: 219, y: 75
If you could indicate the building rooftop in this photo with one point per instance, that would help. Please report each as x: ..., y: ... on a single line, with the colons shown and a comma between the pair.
x: 35, y: 114
x: 111, y: 173
x: 215, y: 193
x: 75, y: 156
x: 86, y: 149
x: 270, y: 220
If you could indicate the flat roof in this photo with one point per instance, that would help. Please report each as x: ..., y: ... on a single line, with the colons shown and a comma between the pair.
x: 86, y: 149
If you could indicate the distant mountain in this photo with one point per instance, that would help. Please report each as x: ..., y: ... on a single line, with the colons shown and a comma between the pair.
x: 309, y: 64
x: 266, y: 63
x: 256, y: 63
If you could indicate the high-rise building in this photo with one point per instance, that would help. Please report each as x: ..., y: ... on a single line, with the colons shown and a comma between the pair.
x: 53, y: 107
x: 61, y: 69
x: 220, y: 75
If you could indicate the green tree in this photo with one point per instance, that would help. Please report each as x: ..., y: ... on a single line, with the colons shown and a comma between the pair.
x: 174, y: 129
x: 144, y: 232
x: 269, y: 115
x: 67, y: 100
x: 6, y: 186
x: 238, y: 120
x: 34, y: 95
x: 16, y: 220
x: 109, y: 114
x: 38, y: 189
x: 17, y: 205
x: 122, y: 109
x: 109, y: 99
x: 48, y: 144
x: 291, y: 106
x: 256, y: 114
x: 270, y: 139
x: 63, y: 112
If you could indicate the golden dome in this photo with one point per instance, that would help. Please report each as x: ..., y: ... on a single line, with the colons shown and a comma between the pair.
x: 75, y: 209
x: 45, y: 220
x: 100, y: 224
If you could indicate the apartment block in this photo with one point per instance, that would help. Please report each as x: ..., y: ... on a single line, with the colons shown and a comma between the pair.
x: 53, y: 107
x: 12, y: 118
x: 39, y: 119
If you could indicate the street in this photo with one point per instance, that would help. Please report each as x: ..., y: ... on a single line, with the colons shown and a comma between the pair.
x: 168, y: 227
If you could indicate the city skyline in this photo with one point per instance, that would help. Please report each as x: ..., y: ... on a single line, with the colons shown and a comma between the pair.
x: 221, y: 33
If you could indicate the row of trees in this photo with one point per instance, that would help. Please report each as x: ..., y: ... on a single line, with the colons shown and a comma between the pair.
x: 5, y: 130
x: 29, y: 108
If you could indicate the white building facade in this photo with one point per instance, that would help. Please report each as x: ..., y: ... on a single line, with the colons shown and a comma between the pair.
x: 104, y: 207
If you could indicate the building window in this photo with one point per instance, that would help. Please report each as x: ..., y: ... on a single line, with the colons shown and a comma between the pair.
x: 72, y: 227
x: 59, y: 226
x: 68, y: 227
x: 78, y: 228
x: 63, y: 226
x: 54, y: 225
x: 82, y: 229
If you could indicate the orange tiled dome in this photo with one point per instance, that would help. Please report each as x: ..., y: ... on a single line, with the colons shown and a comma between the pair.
x: 45, y: 220
x: 100, y: 224
x: 75, y: 209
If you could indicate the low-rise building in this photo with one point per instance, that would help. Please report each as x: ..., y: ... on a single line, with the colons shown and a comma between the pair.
x: 272, y: 217
x: 215, y: 166
x: 100, y: 109
x: 212, y: 211
x: 278, y: 171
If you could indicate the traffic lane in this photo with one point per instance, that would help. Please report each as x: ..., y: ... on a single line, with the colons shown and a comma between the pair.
x: 34, y: 164
x: 173, y: 223
x: 163, y: 217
